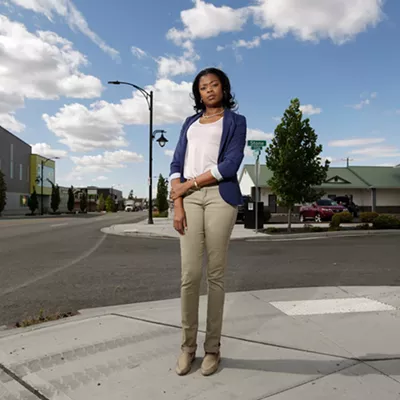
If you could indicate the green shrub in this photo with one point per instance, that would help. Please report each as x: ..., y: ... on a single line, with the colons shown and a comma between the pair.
x: 385, y: 221
x: 368, y: 217
x: 335, y: 221
x: 345, y: 217
x: 272, y: 229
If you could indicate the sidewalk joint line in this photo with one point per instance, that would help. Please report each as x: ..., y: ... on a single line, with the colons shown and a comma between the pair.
x: 28, y: 387
x: 308, y: 382
x: 279, y: 346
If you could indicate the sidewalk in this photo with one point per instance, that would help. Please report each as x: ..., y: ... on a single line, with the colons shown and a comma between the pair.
x: 163, y: 228
x: 287, y: 344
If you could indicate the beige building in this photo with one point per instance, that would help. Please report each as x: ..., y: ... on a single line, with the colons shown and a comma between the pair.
x: 371, y: 187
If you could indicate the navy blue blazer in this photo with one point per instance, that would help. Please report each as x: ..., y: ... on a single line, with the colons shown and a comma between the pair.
x: 230, y: 156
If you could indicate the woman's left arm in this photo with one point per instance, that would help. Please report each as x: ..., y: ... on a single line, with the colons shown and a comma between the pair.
x: 226, y: 169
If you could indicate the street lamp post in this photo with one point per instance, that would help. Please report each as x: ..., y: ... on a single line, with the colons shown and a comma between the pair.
x: 161, y: 141
x: 42, y: 163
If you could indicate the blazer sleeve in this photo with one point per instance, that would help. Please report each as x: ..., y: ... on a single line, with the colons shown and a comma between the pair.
x: 175, y: 167
x: 234, y: 154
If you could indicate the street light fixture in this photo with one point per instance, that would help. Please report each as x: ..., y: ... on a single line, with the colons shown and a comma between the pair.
x: 42, y: 164
x: 161, y: 141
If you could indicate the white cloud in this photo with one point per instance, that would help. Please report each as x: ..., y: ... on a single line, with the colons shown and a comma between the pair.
x: 73, y: 17
x: 309, y: 109
x: 100, y: 178
x: 173, y: 66
x: 205, y: 20
x: 169, y: 153
x: 9, y: 122
x: 366, y: 100
x: 378, y: 151
x: 355, y: 142
x: 138, y: 53
x: 248, y: 44
x: 45, y: 150
x: 311, y: 20
x: 101, y: 125
x: 38, y: 66
x: 257, y: 134
x: 103, y: 162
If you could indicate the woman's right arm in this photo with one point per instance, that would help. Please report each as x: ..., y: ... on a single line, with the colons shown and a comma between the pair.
x: 175, y: 178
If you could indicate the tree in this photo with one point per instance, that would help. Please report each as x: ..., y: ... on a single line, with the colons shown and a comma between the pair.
x: 71, y: 199
x: 83, y: 202
x: 33, y: 202
x: 3, y: 192
x: 162, y: 194
x: 109, y: 204
x: 130, y: 196
x: 55, y: 197
x: 294, y: 158
x: 101, y: 204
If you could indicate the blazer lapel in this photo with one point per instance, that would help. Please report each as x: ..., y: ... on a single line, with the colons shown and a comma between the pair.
x: 226, y: 130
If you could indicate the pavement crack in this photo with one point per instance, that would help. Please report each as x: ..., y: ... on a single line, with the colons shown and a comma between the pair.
x: 28, y: 387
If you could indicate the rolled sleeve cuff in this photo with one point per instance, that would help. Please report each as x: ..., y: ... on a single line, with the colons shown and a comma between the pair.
x: 216, y: 174
x: 176, y: 175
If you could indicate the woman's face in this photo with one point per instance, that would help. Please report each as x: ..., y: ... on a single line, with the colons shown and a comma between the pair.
x: 211, y: 90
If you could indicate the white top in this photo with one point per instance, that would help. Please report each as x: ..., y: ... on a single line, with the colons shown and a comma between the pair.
x: 202, y: 150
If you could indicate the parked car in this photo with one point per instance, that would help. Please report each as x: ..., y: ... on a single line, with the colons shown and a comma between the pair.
x: 321, y: 210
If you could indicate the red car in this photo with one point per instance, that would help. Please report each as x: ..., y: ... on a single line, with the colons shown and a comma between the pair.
x: 321, y: 210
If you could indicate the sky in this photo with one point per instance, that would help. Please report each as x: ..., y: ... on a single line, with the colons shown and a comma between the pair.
x: 340, y: 58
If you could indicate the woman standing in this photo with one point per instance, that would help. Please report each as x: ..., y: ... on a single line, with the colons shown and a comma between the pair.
x: 206, y: 193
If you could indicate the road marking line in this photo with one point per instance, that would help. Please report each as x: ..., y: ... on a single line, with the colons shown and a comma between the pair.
x: 63, y: 224
x: 331, y: 306
x: 56, y: 270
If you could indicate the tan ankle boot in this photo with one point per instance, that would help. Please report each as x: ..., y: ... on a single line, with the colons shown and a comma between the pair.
x: 184, y: 363
x: 210, y: 363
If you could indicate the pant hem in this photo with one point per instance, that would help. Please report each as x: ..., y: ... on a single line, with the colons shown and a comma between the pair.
x: 188, y: 349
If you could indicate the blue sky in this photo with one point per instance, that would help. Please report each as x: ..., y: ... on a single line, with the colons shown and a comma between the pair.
x: 339, y: 58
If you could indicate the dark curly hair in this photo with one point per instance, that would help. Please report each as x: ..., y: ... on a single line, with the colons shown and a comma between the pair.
x: 228, y: 100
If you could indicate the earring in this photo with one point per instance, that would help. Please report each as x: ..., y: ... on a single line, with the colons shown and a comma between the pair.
x: 201, y: 100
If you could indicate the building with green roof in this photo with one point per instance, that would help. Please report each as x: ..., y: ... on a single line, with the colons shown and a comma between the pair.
x: 372, y: 188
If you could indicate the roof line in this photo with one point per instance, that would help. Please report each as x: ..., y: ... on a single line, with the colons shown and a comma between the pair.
x: 15, y: 136
x: 359, y: 177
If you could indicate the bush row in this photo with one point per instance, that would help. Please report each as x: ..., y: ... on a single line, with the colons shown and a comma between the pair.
x: 379, y: 221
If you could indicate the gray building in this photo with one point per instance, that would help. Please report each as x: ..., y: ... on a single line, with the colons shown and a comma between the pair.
x: 14, y: 163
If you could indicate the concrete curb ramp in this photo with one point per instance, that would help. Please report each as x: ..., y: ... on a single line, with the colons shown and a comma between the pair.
x: 288, y: 344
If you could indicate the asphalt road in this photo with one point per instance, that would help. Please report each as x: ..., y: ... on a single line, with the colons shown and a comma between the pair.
x: 68, y: 264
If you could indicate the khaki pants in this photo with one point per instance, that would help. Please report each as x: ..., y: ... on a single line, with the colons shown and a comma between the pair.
x: 210, y: 221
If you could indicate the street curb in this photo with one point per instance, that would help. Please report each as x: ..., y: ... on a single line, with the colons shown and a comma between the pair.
x: 151, y: 235
x: 325, y: 235
x: 264, y: 237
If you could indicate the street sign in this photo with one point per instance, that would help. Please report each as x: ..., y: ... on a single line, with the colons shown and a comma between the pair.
x: 256, y: 153
x: 256, y: 144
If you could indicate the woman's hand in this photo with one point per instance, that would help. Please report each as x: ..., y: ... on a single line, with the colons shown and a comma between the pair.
x: 179, y: 189
x: 180, y: 220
